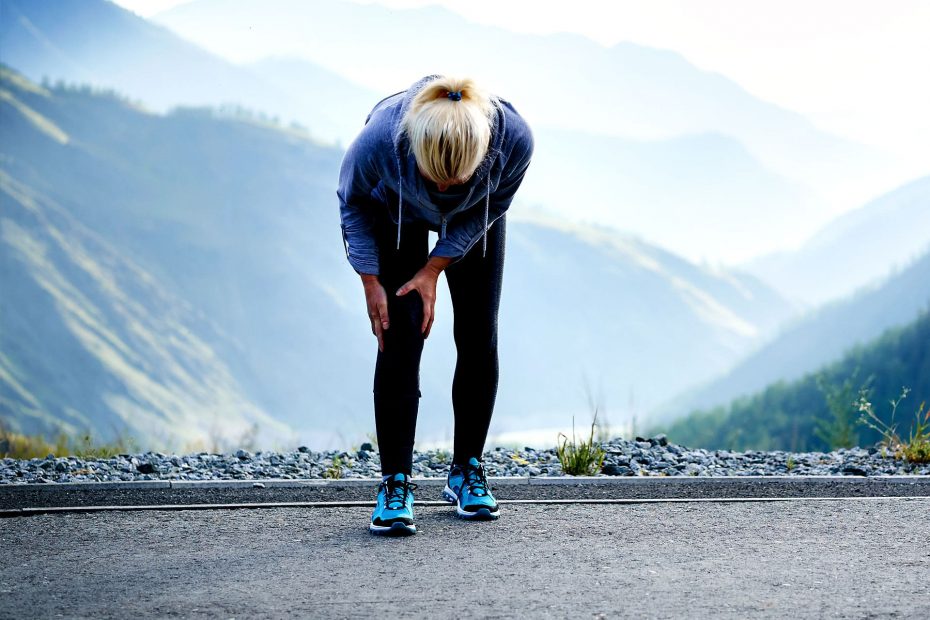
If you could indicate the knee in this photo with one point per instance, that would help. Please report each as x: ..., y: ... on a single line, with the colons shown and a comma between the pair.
x: 476, y: 336
x: 405, y: 312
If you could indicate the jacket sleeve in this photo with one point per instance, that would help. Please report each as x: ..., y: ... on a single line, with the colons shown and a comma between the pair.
x: 466, y: 229
x: 357, y: 207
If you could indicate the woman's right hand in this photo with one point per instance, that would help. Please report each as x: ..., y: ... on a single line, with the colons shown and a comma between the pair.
x: 376, y: 299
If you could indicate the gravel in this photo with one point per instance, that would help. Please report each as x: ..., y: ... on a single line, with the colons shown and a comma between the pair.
x: 653, y: 456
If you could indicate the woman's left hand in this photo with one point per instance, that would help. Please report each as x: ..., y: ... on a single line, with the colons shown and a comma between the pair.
x: 424, y: 282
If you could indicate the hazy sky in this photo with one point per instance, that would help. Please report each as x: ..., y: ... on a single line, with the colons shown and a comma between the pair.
x: 857, y: 68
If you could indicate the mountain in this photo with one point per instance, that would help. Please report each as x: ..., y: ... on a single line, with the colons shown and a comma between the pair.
x: 857, y: 248
x: 334, y: 107
x: 695, y: 151
x: 559, y: 80
x: 789, y: 415
x: 238, y: 218
x: 819, y: 337
x: 584, y: 302
x: 99, y: 43
x: 700, y: 182
x: 227, y: 214
x: 90, y: 340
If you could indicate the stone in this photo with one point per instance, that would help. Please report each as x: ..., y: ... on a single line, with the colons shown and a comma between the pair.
x: 853, y: 470
x: 617, y: 470
x: 692, y: 469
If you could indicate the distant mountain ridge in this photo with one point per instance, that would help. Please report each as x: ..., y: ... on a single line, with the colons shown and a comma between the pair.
x: 649, y: 184
x: 696, y: 148
x: 238, y: 219
x: 626, y: 316
x: 638, y: 92
x: 815, y: 339
x: 855, y: 249
x: 98, y: 42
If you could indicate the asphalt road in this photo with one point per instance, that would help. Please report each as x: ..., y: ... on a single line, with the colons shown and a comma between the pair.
x: 852, y: 558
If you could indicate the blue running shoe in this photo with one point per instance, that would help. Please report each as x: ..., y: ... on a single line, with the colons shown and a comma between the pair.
x: 468, y: 488
x: 393, y: 514
x: 454, y: 482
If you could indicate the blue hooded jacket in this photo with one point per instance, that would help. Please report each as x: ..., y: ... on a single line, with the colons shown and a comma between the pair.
x: 379, y: 171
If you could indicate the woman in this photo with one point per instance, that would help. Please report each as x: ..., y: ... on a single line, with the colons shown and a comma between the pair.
x: 443, y: 155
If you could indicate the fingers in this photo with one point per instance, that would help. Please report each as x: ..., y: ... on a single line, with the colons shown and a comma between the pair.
x: 429, y: 327
x: 427, y: 295
x: 413, y: 285
x: 429, y: 315
x: 383, y: 312
x: 378, y: 331
x: 378, y: 313
x: 382, y: 323
x: 408, y: 286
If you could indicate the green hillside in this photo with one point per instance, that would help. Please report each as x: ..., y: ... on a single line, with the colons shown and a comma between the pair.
x: 72, y: 301
x: 787, y: 415
x: 127, y: 241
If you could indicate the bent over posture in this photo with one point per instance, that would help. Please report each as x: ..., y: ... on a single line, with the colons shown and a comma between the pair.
x: 443, y: 155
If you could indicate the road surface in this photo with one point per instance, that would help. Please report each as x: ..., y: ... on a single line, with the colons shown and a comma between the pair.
x: 845, y: 558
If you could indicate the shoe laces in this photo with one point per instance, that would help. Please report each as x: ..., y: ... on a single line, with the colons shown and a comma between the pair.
x: 475, y: 480
x: 396, y: 492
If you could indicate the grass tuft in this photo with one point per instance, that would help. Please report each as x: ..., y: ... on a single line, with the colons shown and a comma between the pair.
x: 580, y: 458
x: 334, y: 471
x: 916, y: 449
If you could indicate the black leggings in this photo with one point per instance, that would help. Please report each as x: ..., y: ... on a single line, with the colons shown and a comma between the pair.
x: 475, y: 289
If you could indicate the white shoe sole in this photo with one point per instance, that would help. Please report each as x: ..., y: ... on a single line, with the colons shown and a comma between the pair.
x: 395, y: 529
x: 479, y: 515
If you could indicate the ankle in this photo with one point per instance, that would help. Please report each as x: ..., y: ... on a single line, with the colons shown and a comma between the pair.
x: 386, y: 477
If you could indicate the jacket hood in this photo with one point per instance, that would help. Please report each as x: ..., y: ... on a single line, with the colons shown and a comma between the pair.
x: 408, y: 172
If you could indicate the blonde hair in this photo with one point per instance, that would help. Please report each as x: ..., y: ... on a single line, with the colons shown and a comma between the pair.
x: 449, y: 138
